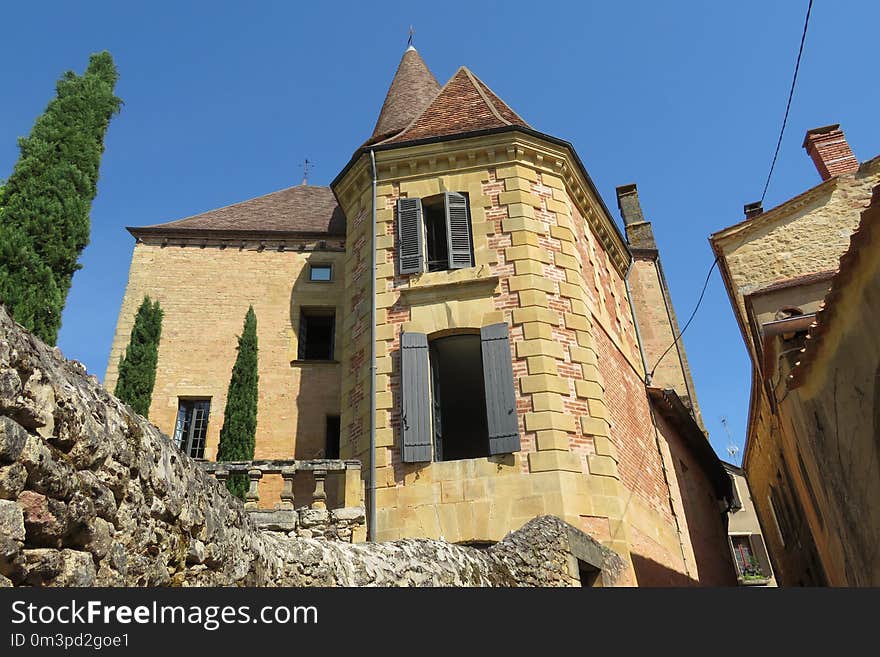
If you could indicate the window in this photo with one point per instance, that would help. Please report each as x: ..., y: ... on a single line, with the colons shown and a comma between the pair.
x: 321, y: 273
x: 750, y: 556
x: 331, y: 441
x: 316, y: 333
x: 434, y: 233
x: 742, y: 552
x: 192, y: 426
x: 457, y: 396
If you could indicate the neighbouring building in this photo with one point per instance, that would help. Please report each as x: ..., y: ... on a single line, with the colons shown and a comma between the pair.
x: 753, y: 567
x: 814, y: 492
x: 494, y: 372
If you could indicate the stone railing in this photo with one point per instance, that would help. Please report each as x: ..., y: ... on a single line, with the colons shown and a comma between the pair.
x: 320, y: 498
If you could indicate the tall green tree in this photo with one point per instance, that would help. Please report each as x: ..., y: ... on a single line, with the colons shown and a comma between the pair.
x: 137, y: 367
x: 47, y: 199
x: 239, y: 430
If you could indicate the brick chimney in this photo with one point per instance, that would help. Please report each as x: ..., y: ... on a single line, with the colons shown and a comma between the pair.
x: 752, y: 210
x: 830, y: 152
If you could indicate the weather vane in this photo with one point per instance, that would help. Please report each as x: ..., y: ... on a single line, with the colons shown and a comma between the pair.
x: 306, y: 167
x: 411, y: 33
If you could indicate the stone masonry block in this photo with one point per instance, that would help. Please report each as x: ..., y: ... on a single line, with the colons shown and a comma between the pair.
x: 539, y: 347
x: 552, y: 439
x: 554, y: 460
x: 511, y: 225
x: 547, y: 401
x: 522, y: 267
x: 549, y: 420
x: 576, y: 322
x: 561, y: 233
x: 541, y: 365
x: 526, y: 252
x: 588, y: 389
x: 535, y: 314
x: 533, y: 298
x: 583, y: 355
x: 604, y: 466
x: 594, y: 426
x: 523, y: 237
x: 531, y: 282
x: 543, y: 383
x: 536, y: 331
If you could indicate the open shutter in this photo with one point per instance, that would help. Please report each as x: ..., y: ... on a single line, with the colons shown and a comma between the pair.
x: 415, y: 417
x: 500, y: 395
x: 760, y: 553
x: 736, y: 502
x: 458, y: 231
x: 409, y: 234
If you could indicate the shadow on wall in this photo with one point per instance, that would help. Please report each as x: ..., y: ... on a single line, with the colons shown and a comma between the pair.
x: 651, y: 573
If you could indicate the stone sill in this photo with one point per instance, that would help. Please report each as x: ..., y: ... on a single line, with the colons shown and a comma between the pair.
x: 754, y: 582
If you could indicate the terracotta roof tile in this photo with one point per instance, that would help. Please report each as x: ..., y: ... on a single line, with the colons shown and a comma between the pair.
x: 411, y: 91
x: 465, y: 104
x: 300, y: 209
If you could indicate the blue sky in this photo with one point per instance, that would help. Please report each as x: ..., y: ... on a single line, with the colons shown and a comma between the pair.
x: 223, y: 101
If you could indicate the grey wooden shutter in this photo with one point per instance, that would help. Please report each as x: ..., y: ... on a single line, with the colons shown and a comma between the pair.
x: 736, y: 502
x: 458, y: 231
x: 415, y: 417
x: 500, y: 395
x: 409, y: 235
x: 760, y: 553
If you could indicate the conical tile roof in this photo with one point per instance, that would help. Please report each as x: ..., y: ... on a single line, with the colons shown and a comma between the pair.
x: 465, y: 104
x: 411, y: 91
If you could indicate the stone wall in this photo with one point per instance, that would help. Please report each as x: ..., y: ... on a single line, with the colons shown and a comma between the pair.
x: 91, y: 494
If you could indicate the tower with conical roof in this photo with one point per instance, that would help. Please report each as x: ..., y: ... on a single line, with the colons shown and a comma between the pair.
x: 508, y: 377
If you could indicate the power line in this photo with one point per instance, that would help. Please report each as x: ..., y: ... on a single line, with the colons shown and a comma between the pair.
x: 797, y: 67
x: 688, y: 323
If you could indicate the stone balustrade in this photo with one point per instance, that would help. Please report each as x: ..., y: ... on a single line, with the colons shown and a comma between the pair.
x: 338, y: 515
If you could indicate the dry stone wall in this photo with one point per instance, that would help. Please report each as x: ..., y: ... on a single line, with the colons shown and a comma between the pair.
x: 92, y: 494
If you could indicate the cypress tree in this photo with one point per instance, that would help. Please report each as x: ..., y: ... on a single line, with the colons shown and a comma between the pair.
x: 239, y: 430
x: 47, y: 199
x: 137, y: 367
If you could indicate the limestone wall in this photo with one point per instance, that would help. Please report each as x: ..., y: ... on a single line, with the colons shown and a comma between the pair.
x: 204, y: 292
x: 549, y: 265
x: 92, y: 494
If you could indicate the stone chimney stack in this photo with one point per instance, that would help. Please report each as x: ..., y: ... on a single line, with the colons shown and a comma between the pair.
x: 639, y: 233
x: 830, y: 152
x: 752, y: 210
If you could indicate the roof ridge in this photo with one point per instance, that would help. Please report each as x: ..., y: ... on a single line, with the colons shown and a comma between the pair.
x: 486, y: 87
x: 474, y: 81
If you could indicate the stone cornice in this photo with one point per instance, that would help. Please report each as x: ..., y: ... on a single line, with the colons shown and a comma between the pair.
x: 514, y: 146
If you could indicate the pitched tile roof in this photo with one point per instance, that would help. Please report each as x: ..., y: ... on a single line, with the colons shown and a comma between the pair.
x: 464, y: 104
x: 300, y: 209
x: 411, y: 91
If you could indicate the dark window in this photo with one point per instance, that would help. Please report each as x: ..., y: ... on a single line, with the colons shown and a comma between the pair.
x: 459, y: 398
x: 320, y: 273
x: 192, y: 426
x: 316, y: 334
x: 746, y: 563
x: 434, y: 233
x: 331, y: 445
x: 812, y: 493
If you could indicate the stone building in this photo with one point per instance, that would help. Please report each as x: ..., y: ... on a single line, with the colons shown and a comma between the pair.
x: 747, y: 544
x: 814, y: 493
x: 453, y: 312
